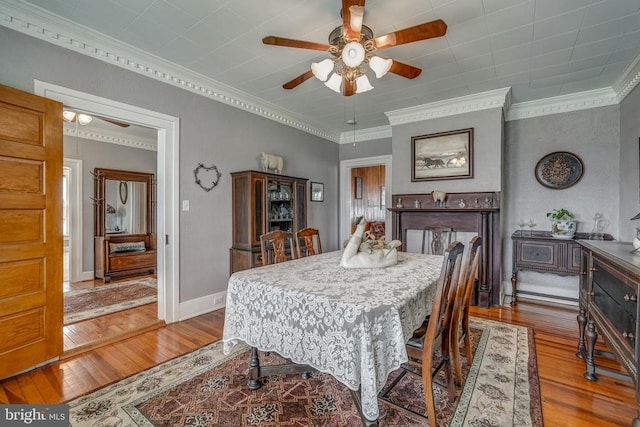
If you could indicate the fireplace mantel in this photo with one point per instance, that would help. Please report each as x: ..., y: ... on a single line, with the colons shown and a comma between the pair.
x: 477, y: 212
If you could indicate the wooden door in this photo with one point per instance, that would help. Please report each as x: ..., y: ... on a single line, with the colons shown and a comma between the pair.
x: 367, y: 184
x: 31, y: 306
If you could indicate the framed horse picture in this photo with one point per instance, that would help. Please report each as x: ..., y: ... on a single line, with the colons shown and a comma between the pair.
x: 444, y: 155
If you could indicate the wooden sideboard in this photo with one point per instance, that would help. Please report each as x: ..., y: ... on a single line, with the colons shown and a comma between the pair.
x: 110, y: 265
x: 609, y: 287
x: 539, y: 251
x: 477, y: 212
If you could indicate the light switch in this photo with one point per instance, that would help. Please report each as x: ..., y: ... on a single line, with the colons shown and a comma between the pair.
x: 185, y: 205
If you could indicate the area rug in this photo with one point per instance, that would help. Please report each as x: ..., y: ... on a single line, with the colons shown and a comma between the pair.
x: 85, y: 304
x: 208, y: 388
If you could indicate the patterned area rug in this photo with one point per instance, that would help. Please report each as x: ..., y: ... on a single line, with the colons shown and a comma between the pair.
x: 207, y: 388
x: 85, y: 304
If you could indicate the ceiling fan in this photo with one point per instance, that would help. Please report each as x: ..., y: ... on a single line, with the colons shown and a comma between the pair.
x: 84, y: 119
x: 353, y: 45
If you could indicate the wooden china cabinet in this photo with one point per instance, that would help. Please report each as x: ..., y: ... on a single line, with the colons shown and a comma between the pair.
x: 263, y: 202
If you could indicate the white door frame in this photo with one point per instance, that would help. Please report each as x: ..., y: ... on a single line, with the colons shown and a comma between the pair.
x: 75, y: 219
x: 346, y: 196
x: 168, y: 180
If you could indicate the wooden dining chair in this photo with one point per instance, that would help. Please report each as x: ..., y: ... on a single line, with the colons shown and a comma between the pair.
x: 460, y: 321
x: 437, y: 335
x: 439, y: 238
x: 308, y: 242
x: 277, y: 246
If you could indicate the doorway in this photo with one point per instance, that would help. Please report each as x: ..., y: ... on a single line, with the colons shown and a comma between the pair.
x: 167, y: 189
x: 347, y: 192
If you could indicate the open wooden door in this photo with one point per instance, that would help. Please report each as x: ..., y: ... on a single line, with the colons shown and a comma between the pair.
x: 31, y: 306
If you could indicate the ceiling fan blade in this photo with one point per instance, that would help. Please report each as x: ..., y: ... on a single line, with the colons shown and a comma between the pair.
x: 349, y: 87
x: 352, y: 16
x: 298, y: 80
x: 428, y: 30
x: 281, y: 41
x: 113, y: 122
x: 404, y: 70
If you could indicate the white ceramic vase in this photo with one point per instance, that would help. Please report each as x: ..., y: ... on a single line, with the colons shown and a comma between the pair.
x: 563, y: 228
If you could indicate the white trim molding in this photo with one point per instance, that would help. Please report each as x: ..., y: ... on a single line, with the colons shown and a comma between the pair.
x: 562, y: 104
x: 346, y: 196
x: 168, y: 180
x: 101, y: 135
x: 39, y: 23
x: 75, y: 211
x: 628, y: 80
x: 499, y: 98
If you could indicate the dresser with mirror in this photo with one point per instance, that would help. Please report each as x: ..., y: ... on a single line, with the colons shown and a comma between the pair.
x: 124, y: 223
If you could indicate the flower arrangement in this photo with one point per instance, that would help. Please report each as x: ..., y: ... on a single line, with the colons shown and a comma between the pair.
x: 560, y: 215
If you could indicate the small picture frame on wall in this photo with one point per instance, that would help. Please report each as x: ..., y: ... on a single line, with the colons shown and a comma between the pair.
x: 317, y: 192
x: 358, y: 194
x: 444, y: 155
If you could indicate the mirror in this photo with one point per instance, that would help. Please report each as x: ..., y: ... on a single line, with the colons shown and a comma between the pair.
x: 126, y: 208
x: 123, y: 202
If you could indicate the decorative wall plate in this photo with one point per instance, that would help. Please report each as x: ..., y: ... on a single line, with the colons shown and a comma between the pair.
x: 210, y: 174
x: 559, y: 170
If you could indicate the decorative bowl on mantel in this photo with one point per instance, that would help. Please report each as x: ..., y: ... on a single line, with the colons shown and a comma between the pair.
x: 563, y: 228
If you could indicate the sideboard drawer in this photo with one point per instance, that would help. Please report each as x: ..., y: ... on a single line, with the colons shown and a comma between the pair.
x: 616, y: 314
x: 132, y: 260
x: 607, y: 282
x: 540, y: 254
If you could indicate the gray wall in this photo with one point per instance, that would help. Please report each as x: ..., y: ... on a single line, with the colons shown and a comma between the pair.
x: 100, y: 155
x: 629, y: 164
x: 373, y: 148
x: 210, y: 132
x: 487, y: 152
x: 593, y: 135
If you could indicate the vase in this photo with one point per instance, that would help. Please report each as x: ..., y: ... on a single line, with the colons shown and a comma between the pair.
x: 563, y: 228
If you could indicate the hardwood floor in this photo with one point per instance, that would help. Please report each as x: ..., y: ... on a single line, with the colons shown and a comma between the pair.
x: 567, y: 398
x: 93, y: 333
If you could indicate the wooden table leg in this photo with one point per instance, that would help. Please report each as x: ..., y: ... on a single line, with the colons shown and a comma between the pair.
x: 254, y: 382
x: 591, y: 337
x: 514, y: 285
x: 582, y: 323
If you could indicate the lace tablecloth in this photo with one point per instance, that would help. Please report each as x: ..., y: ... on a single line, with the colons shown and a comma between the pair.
x: 350, y: 323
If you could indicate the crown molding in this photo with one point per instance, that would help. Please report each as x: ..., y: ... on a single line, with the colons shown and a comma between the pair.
x: 111, y: 137
x: 369, y: 134
x: 563, y: 104
x: 39, y: 23
x: 628, y: 80
x: 498, y: 98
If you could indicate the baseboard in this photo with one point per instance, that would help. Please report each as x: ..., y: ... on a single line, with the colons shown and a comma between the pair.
x: 86, y: 275
x: 202, y: 305
x: 533, y: 291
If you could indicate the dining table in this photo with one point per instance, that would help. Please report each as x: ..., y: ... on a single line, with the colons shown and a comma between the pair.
x: 352, y: 323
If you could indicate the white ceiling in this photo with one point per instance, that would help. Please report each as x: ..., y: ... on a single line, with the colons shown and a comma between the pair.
x: 539, y: 48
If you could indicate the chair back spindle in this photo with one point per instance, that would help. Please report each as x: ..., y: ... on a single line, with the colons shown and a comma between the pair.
x: 277, y: 246
x: 308, y: 242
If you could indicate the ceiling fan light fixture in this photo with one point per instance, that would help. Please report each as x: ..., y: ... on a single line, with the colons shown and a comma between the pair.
x: 322, y: 69
x: 363, y: 84
x: 84, y: 119
x: 68, y: 116
x: 334, y: 82
x: 353, y: 54
x: 380, y: 66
